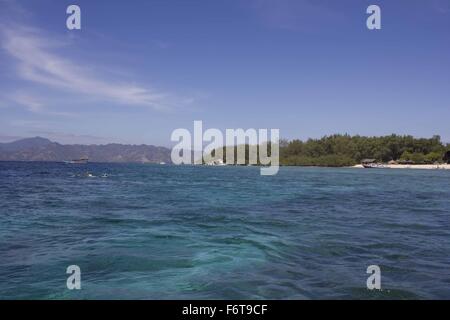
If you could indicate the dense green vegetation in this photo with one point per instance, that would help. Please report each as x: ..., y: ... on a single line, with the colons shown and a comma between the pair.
x: 345, y: 150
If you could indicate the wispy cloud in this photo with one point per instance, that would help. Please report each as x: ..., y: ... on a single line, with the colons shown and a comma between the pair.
x: 35, y: 104
x: 38, y: 61
x: 70, y: 138
x: 8, y: 138
x: 30, y: 124
x: 441, y: 6
x: 31, y: 103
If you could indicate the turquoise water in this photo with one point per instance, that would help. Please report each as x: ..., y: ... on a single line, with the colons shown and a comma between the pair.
x: 168, y: 232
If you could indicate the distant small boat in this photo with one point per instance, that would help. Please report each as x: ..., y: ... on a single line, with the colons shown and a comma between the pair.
x: 374, y: 166
x: 78, y: 161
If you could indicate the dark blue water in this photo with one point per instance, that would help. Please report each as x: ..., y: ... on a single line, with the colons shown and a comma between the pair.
x: 167, y: 232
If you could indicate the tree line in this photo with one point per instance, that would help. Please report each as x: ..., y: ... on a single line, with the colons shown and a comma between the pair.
x: 344, y: 150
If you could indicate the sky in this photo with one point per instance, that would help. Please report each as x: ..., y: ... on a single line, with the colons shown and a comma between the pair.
x: 137, y: 70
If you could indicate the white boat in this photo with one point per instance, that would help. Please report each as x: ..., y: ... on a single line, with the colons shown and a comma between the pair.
x: 374, y: 166
x: 83, y: 160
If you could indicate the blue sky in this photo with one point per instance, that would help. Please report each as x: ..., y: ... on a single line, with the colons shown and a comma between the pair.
x: 137, y: 70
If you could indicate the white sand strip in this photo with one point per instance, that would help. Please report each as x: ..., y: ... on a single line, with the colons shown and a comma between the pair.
x: 412, y: 166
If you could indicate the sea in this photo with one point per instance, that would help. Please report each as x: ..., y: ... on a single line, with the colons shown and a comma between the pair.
x: 149, y: 231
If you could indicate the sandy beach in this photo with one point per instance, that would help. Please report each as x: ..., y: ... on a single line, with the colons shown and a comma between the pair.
x: 411, y: 166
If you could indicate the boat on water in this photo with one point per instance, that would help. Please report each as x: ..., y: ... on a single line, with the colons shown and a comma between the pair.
x: 374, y: 166
x: 83, y: 160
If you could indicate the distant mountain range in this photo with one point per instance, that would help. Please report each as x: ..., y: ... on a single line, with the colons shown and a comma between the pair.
x: 41, y: 149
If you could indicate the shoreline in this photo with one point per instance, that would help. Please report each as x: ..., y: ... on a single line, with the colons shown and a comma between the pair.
x: 411, y: 166
x: 357, y: 166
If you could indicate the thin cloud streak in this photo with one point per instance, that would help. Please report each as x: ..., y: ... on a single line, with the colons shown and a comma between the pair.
x: 441, y: 6
x: 37, y: 63
x: 8, y: 138
x: 29, y: 102
x: 35, y: 105
x: 70, y: 138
